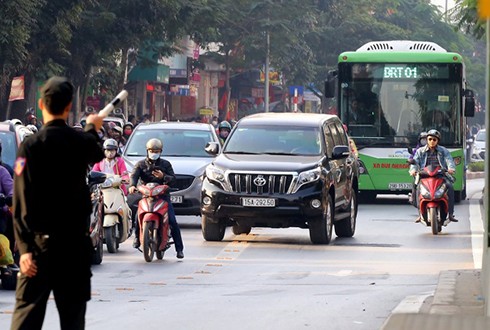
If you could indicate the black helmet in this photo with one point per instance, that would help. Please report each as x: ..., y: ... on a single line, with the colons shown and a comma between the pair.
x: 110, y: 144
x: 422, y: 135
x: 435, y: 133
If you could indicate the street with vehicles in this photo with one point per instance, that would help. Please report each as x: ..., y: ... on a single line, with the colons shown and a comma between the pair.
x: 277, y: 279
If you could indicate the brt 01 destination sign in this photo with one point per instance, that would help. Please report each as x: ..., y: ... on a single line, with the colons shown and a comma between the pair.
x: 400, y: 71
x: 414, y: 71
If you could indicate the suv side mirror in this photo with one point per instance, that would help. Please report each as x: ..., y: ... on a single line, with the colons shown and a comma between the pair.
x: 212, y: 148
x: 331, y: 84
x: 469, y: 103
x: 340, y: 152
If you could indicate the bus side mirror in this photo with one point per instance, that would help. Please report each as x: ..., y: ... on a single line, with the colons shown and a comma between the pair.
x: 469, y: 103
x: 330, y: 84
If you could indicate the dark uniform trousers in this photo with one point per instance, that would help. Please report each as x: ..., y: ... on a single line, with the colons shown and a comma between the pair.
x: 62, y: 269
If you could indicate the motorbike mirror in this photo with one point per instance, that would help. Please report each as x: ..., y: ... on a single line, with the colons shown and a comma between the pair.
x: 96, y: 177
x: 410, y: 150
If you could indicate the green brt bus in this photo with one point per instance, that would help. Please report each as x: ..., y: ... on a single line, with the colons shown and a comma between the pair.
x: 388, y: 92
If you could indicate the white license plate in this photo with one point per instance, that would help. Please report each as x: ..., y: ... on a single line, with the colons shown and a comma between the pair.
x: 259, y: 202
x: 175, y: 199
x: 400, y: 186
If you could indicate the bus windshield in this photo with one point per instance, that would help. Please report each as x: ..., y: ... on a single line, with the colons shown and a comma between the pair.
x: 388, y: 105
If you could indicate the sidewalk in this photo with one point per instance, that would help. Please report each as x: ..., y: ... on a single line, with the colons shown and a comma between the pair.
x: 457, y: 303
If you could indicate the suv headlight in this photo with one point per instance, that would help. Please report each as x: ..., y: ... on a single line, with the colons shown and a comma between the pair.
x: 216, y: 175
x: 307, y: 177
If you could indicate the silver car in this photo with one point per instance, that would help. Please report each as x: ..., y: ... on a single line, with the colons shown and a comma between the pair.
x: 183, y: 147
x: 478, y: 151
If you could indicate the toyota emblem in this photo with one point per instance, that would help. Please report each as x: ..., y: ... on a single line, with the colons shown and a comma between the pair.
x: 260, y: 181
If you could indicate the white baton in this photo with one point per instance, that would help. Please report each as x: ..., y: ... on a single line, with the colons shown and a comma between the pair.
x: 118, y: 99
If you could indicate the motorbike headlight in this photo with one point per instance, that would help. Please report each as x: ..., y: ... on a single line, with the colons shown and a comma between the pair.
x: 307, y: 177
x: 108, y: 183
x: 217, y: 175
x: 440, y: 191
x: 424, y: 192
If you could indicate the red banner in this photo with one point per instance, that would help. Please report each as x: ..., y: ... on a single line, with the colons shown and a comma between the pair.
x: 17, y: 89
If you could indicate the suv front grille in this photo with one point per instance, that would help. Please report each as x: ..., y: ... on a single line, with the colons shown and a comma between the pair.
x: 260, y: 184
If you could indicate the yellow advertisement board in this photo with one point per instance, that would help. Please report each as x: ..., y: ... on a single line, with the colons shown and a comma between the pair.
x: 484, y: 8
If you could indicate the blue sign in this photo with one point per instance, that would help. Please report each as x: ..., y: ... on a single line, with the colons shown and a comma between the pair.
x: 300, y: 90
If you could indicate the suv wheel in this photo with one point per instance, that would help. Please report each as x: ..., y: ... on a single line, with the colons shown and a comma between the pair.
x: 238, y: 229
x: 321, y: 229
x: 212, y: 231
x: 346, y: 227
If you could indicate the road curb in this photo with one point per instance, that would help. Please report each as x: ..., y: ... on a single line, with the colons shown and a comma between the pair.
x: 474, y: 175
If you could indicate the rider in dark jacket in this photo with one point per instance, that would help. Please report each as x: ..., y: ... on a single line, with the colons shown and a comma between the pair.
x: 154, y: 169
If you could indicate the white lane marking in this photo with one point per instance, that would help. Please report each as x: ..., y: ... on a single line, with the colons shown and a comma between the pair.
x: 412, y: 304
x: 476, y: 227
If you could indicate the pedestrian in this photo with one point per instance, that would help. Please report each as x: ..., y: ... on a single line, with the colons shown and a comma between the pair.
x: 51, y: 210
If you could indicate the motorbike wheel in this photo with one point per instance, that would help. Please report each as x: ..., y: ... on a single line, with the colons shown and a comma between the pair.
x: 9, y: 280
x: 434, y: 223
x: 149, y: 246
x: 321, y: 229
x: 98, y: 252
x: 160, y: 254
x: 110, y: 239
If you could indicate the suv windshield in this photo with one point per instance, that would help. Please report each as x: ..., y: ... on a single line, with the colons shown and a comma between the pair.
x: 270, y: 139
x: 176, y: 142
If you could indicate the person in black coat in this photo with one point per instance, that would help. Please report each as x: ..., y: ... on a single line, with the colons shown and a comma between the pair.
x: 51, y: 210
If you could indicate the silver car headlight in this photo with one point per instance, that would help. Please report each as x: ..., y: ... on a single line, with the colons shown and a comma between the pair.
x: 307, y: 177
x: 217, y: 175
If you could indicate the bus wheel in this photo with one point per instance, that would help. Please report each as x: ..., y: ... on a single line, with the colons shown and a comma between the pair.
x: 367, y: 197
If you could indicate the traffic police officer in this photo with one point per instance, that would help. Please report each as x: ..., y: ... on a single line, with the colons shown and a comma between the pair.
x: 51, y: 213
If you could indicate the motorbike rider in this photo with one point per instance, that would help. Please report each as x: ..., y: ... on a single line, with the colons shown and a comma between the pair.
x: 154, y: 169
x: 436, y: 155
x: 128, y: 130
x: 7, y: 190
x: 421, y: 143
x: 112, y: 163
x: 224, y: 129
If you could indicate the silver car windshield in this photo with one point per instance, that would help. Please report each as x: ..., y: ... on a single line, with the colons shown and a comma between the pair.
x: 279, y: 140
x: 177, y: 143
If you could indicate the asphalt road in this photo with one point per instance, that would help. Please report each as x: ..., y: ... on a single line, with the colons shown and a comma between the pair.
x: 276, y: 279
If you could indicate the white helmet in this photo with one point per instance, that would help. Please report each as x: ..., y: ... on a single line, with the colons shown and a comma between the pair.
x: 154, y: 144
x: 16, y: 121
x: 33, y: 128
x: 110, y: 144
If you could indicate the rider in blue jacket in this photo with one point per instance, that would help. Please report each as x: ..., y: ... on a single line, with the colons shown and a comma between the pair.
x: 434, y: 154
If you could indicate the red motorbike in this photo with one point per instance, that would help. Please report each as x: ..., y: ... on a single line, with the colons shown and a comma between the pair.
x: 153, y: 220
x: 433, y: 198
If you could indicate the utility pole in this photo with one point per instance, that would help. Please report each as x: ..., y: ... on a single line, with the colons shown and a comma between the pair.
x: 266, y: 73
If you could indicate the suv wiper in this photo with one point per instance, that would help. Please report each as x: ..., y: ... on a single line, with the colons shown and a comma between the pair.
x: 279, y: 153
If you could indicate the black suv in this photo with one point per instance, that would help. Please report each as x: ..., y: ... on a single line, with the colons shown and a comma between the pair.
x: 282, y: 170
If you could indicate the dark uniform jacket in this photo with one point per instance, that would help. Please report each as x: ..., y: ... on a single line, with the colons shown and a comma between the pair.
x: 144, y: 168
x: 51, y: 196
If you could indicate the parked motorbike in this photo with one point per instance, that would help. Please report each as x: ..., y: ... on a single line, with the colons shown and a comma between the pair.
x: 153, y: 221
x: 117, y: 214
x: 10, y: 257
x: 96, y: 228
x: 433, y: 199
